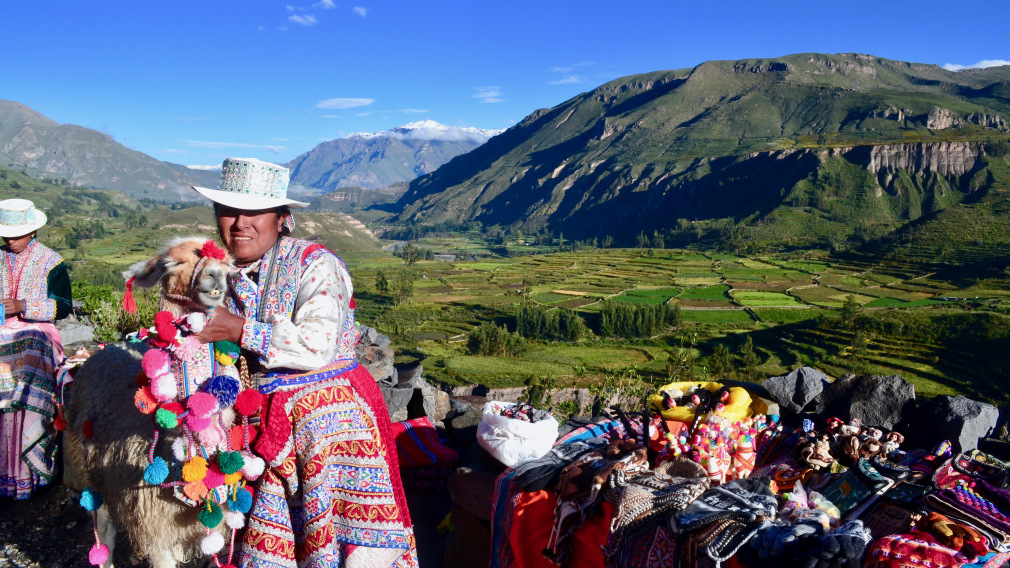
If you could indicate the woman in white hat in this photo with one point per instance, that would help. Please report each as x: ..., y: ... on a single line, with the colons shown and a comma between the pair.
x: 34, y: 292
x: 332, y: 494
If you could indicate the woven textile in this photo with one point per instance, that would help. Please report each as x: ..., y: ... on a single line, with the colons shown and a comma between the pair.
x: 333, y: 495
x: 647, y: 500
x: 503, y: 503
x: 417, y: 444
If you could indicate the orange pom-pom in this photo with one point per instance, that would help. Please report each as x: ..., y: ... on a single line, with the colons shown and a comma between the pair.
x: 145, y: 400
x: 195, y: 490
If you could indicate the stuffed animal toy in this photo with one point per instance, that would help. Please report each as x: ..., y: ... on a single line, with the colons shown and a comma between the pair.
x: 962, y: 538
x: 892, y: 441
x: 816, y: 454
x: 847, y: 451
x: 853, y: 428
x: 870, y: 448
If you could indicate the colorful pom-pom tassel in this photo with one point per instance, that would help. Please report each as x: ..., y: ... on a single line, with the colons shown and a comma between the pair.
x: 212, y: 543
x: 234, y: 520
x: 166, y: 419
x: 196, y: 490
x: 157, y: 472
x: 201, y: 404
x: 156, y: 363
x: 224, y: 388
x: 179, y: 449
x: 198, y: 423
x: 210, y: 516
x: 164, y: 388
x: 214, y: 478
x: 90, y: 500
x: 60, y: 424
x: 195, y: 469
x: 242, y: 501
x: 196, y: 321
x: 98, y: 554
x: 254, y: 467
x: 230, y: 462
x: 226, y: 353
x: 248, y: 402
x: 145, y: 401
x: 211, y: 436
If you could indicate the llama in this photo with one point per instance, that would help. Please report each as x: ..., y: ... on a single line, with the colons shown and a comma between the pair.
x: 107, y: 439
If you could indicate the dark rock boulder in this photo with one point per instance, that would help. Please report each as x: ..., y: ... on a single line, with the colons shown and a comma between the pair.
x: 956, y: 418
x: 379, y: 362
x: 397, y: 396
x: 797, y: 390
x: 884, y: 402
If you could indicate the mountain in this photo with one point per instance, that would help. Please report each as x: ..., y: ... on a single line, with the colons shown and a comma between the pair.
x: 803, y: 149
x: 42, y: 147
x: 373, y: 161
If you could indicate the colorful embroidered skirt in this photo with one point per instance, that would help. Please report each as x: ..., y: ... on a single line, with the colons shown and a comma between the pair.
x: 332, y: 496
x: 27, y: 407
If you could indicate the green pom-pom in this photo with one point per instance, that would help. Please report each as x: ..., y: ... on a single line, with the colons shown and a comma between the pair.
x: 166, y: 418
x: 230, y: 462
x: 212, y: 517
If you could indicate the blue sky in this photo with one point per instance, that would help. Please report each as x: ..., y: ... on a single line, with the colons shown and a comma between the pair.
x: 194, y: 81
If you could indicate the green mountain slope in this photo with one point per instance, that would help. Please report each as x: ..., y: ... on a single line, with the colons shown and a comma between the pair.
x: 677, y: 152
x: 90, y: 158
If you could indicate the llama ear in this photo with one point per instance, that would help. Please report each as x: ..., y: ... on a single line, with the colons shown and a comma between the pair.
x: 147, y: 273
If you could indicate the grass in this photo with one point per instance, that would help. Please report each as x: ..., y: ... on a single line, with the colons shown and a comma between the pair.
x: 719, y: 317
x: 786, y: 315
x: 707, y: 293
x: 763, y: 299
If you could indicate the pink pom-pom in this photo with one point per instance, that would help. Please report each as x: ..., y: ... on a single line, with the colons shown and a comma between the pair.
x: 201, y: 404
x: 164, y: 388
x: 155, y: 363
x: 211, y: 436
x: 197, y: 423
x: 214, y: 478
x: 98, y: 554
x: 253, y: 467
x: 187, y: 348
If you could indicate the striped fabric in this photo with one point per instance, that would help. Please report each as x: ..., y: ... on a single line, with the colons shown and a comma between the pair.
x: 417, y: 444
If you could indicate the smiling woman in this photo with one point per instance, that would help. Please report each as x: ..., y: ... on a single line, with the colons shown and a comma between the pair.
x: 290, y: 308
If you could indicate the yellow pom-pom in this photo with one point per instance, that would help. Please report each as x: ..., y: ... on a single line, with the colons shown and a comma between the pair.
x: 195, y: 469
x: 233, y: 478
x: 224, y: 358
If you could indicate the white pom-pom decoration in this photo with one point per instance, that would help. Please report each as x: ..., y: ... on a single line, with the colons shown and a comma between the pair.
x: 253, y: 467
x: 234, y: 519
x: 196, y: 321
x: 179, y: 449
x: 212, y: 544
x: 164, y: 388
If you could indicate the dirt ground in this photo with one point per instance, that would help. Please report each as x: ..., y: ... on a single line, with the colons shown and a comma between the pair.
x: 51, y: 530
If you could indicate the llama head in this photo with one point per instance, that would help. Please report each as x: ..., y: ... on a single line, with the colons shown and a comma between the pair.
x: 188, y: 270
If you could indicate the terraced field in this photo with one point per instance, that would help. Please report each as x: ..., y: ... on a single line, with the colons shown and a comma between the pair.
x: 789, y: 305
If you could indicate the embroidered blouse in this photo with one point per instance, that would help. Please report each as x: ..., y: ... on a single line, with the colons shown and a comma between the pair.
x: 306, y: 320
x: 37, y: 276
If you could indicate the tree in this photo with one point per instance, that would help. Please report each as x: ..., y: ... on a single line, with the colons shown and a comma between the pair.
x: 850, y: 309
x: 749, y: 360
x: 402, y: 287
x: 561, y: 241
x: 381, y: 283
x: 721, y: 362
x: 608, y: 241
x: 658, y: 241
x: 641, y: 241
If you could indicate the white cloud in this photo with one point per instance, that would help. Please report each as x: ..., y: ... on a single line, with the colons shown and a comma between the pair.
x: 414, y: 110
x: 291, y: 8
x: 218, y: 145
x: 214, y: 168
x: 980, y: 65
x: 330, y: 116
x: 307, y: 20
x: 343, y: 103
x: 363, y: 114
x: 360, y: 11
x: 201, y: 119
x: 488, y: 94
x: 561, y: 69
x: 568, y: 80
x: 325, y: 5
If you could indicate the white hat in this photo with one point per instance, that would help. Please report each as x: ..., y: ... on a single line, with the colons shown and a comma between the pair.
x: 249, y: 184
x: 18, y: 217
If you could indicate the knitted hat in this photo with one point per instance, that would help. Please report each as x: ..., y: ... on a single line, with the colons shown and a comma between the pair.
x: 250, y: 185
x: 18, y: 217
x: 907, y: 550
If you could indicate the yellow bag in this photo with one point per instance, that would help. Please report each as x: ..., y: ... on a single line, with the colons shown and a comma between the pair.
x: 737, y: 406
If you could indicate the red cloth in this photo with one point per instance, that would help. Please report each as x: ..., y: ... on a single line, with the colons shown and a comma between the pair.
x: 531, y: 531
x: 417, y: 444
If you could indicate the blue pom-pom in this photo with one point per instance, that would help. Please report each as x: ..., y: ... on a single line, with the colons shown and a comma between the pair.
x: 90, y: 500
x: 242, y: 502
x: 157, y: 472
x: 224, y: 388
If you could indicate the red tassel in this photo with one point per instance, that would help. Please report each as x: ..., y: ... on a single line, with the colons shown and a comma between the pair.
x: 129, y: 306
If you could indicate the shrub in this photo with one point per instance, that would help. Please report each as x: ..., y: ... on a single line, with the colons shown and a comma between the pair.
x: 489, y: 339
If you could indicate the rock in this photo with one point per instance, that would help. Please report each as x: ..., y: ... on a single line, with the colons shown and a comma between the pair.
x: 472, y: 489
x: 379, y: 362
x: 73, y: 334
x: 956, y: 418
x: 396, y: 397
x: 469, y: 542
x: 410, y: 376
x: 429, y: 401
x: 398, y: 416
x: 463, y: 427
x: 796, y: 390
x: 368, y: 335
x: 884, y: 402
x: 382, y: 340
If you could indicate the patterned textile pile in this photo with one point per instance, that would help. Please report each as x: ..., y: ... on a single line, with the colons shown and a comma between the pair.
x: 753, y: 492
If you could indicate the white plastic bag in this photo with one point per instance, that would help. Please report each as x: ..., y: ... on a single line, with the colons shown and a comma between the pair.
x: 513, y: 441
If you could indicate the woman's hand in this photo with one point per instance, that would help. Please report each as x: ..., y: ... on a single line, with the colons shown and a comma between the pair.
x: 14, y: 307
x: 221, y: 325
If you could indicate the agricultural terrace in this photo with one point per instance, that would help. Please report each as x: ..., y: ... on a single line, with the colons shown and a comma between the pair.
x: 811, y: 309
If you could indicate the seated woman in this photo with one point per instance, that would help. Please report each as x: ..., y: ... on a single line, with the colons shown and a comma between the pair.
x: 332, y: 495
x: 34, y: 292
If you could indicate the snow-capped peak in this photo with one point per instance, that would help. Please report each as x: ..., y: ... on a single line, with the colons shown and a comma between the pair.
x: 431, y: 130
